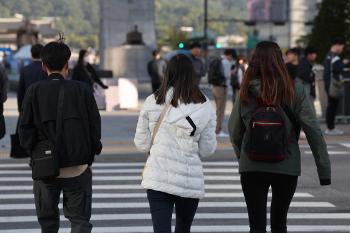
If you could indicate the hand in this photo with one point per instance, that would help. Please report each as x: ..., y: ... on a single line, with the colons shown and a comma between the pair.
x: 105, y: 87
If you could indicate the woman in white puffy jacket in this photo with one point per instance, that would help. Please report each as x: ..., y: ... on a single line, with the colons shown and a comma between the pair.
x: 173, y: 173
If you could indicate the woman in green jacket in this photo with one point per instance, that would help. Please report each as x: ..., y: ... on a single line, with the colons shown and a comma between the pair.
x: 263, y: 127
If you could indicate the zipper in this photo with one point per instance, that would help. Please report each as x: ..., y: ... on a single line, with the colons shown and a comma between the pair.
x: 256, y: 123
x: 43, y: 158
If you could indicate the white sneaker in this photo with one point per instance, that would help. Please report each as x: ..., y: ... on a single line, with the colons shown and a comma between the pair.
x: 333, y: 132
x: 302, y: 135
x: 222, y: 134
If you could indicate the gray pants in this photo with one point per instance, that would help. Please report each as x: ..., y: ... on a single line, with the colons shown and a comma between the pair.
x: 77, y: 198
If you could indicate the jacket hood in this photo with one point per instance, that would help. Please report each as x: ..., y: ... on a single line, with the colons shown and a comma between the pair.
x: 254, y: 87
x: 183, y: 110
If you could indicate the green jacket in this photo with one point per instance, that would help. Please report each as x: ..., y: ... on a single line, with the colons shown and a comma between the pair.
x: 239, y: 123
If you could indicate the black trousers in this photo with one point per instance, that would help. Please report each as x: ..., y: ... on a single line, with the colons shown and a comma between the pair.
x: 77, y: 197
x: 331, y: 112
x: 255, y: 187
x: 162, y: 206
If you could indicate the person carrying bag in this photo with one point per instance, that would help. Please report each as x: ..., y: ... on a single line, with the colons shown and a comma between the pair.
x: 176, y: 127
x: 45, y: 156
x: 60, y: 127
x: 264, y: 127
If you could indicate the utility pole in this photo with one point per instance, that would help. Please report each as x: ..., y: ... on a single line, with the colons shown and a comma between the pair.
x: 205, y: 25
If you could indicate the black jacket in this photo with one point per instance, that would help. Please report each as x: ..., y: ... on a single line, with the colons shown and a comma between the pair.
x: 292, y: 70
x: 87, y: 73
x: 30, y: 74
x: 152, y: 69
x: 333, y: 67
x: 81, y: 131
x: 304, y: 71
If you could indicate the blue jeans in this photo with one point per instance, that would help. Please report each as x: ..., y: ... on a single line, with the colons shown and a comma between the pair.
x: 162, y: 206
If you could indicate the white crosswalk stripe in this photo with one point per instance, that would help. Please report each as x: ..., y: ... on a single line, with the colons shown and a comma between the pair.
x: 118, y: 198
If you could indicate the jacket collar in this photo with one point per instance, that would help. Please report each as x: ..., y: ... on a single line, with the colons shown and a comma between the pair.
x: 56, y: 76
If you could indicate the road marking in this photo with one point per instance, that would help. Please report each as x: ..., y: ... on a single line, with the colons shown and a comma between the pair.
x: 140, y: 195
x: 120, y: 187
x: 119, y: 178
x: 210, y: 228
x: 147, y: 216
x: 203, y: 204
x: 121, y: 171
x: 347, y: 145
x: 126, y: 164
x: 331, y: 152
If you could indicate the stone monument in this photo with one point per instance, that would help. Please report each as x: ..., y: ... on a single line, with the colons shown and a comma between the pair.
x: 127, y: 37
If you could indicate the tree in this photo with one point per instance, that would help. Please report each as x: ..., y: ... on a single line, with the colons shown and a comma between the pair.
x: 332, y: 20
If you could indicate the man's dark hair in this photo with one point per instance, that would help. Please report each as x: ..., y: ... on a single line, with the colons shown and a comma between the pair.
x: 293, y: 50
x: 36, y: 50
x: 155, y: 52
x: 195, y: 45
x: 55, y: 55
x: 338, y: 41
x: 231, y: 52
x: 309, y: 50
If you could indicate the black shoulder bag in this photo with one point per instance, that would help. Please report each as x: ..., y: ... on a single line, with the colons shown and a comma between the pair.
x: 45, y: 156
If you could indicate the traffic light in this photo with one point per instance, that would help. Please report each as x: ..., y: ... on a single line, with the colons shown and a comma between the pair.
x: 181, y: 45
x: 218, y: 46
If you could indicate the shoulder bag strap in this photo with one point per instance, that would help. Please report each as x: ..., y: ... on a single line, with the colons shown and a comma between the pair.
x: 59, y: 117
x: 159, y: 122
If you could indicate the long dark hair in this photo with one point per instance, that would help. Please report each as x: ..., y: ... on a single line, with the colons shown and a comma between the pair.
x: 180, y: 75
x: 81, y: 57
x: 267, y: 64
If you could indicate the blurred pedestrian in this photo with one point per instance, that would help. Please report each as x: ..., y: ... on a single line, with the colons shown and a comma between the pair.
x: 219, y: 75
x: 3, y: 98
x: 177, y: 127
x: 292, y: 61
x: 198, y: 64
x: 156, y: 70
x: 333, y: 79
x: 236, y: 75
x: 306, y: 75
x: 85, y: 72
x: 264, y: 126
x: 30, y: 74
x: 61, y: 128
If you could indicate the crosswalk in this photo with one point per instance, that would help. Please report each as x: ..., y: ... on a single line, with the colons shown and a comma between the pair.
x: 120, y: 204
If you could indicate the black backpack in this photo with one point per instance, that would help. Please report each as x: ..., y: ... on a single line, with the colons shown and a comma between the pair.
x: 268, y: 134
x: 215, y: 73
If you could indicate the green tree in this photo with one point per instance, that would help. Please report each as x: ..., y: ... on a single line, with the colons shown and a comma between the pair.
x: 332, y: 20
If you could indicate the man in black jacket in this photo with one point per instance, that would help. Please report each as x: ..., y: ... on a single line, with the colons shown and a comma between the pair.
x: 305, y: 73
x: 77, y: 144
x: 333, y: 68
x: 30, y: 74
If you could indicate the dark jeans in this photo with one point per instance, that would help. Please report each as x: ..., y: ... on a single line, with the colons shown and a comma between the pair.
x: 77, y: 197
x: 162, y: 205
x: 255, y: 187
x: 331, y: 113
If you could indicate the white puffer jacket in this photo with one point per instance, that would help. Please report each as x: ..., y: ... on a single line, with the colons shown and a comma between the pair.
x: 174, y: 165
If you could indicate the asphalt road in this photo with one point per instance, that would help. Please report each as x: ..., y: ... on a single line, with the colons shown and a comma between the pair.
x: 120, y: 204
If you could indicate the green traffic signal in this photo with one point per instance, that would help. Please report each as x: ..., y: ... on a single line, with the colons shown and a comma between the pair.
x: 181, y: 45
x: 218, y: 45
